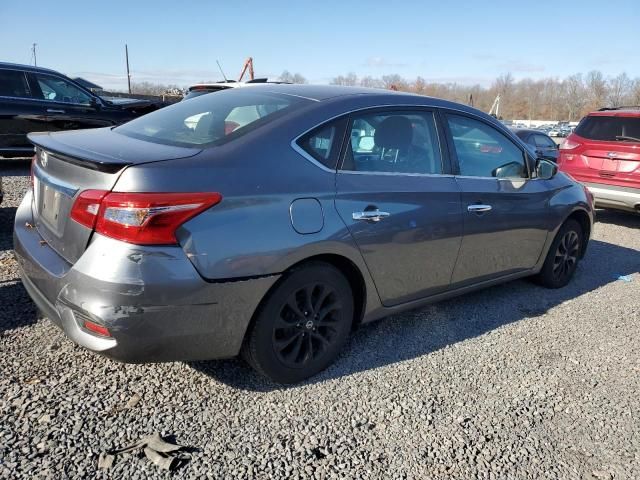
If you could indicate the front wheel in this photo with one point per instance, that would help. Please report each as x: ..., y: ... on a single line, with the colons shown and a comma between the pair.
x: 302, y: 324
x: 563, y: 257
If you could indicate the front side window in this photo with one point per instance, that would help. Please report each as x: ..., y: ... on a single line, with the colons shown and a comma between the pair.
x: 14, y: 84
x: 211, y: 119
x: 483, y: 151
x: 394, y: 142
x: 59, y: 90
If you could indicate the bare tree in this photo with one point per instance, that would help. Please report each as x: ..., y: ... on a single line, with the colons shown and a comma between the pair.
x: 575, y: 96
x: 619, y: 88
x: 596, y: 87
x: 349, y: 80
x: 286, y: 76
x: 371, y: 82
x: 394, y: 81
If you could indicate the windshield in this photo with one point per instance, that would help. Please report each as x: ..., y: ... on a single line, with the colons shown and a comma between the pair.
x: 610, y: 129
x: 210, y: 119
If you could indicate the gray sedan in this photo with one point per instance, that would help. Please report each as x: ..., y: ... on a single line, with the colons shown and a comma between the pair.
x: 271, y: 221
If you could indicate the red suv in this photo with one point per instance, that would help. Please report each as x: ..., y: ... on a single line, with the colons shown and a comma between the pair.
x: 604, y: 154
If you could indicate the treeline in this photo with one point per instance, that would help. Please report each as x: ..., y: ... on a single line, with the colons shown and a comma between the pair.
x: 548, y: 98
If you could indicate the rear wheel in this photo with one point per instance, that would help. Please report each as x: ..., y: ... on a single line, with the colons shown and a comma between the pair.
x: 302, y: 325
x: 563, y: 257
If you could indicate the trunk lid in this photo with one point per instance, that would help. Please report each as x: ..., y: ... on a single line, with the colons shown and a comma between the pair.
x: 68, y: 163
x: 614, y: 163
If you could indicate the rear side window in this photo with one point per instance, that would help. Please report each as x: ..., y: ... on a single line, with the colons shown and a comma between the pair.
x: 394, y: 142
x: 13, y: 84
x: 324, y: 143
x: 625, y: 129
x: 211, y: 120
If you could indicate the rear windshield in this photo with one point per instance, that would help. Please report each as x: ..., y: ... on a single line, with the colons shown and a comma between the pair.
x: 622, y: 129
x: 211, y: 119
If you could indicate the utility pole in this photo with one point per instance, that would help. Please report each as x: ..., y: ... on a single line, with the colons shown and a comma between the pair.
x: 33, y: 52
x: 126, y: 53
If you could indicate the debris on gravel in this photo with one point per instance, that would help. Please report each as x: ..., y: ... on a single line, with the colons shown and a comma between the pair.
x: 510, y: 382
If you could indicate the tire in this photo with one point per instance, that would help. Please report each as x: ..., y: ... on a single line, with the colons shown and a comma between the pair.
x: 288, y: 346
x: 563, y: 256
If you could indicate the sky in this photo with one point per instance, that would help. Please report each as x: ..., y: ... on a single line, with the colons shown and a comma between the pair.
x: 463, y: 41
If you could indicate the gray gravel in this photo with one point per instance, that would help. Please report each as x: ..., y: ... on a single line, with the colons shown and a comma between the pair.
x: 511, y: 382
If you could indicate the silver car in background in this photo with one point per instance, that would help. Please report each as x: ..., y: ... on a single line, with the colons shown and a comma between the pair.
x: 271, y: 221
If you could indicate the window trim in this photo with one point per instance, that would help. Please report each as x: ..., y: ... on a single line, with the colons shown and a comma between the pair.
x: 339, y: 122
x: 454, y: 154
x: 444, y: 157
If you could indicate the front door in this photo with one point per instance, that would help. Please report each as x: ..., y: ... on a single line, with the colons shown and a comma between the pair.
x: 505, y: 213
x: 67, y: 106
x: 400, y: 204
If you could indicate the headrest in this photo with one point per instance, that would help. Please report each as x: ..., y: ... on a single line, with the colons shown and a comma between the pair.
x: 394, y: 132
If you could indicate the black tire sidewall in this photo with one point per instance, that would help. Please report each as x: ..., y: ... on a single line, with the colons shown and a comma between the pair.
x: 546, y: 276
x: 261, y: 353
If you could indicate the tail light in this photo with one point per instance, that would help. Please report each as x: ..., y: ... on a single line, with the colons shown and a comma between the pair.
x: 33, y: 164
x: 140, y: 218
x: 569, y: 145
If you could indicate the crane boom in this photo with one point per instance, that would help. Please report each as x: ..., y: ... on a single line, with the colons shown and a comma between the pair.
x: 495, y: 108
x: 248, y: 65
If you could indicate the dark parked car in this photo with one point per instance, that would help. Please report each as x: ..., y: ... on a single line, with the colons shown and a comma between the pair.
x: 542, y: 144
x: 174, y: 237
x: 34, y: 99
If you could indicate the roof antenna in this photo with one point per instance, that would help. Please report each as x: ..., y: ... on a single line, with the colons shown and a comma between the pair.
x: 223, y: 75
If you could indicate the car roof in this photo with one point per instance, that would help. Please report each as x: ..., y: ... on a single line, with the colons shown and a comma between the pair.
x: 624, y: 111
x: 27, y: 68
x: 525, y: 131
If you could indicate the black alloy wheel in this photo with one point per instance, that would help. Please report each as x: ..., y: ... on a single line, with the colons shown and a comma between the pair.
x: 302, y: 324
x: 563, y: 256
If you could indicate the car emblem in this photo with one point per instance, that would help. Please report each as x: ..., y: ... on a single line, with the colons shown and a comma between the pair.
x: 44, y: 158
x: 612, y: 154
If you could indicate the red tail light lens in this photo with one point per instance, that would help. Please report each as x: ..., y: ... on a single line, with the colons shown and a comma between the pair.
x: 33, y: 162
x: 85, y: 208
x: 140, y: 218
x: 97, y: 329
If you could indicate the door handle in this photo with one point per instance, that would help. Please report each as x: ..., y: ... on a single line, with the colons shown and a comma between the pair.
x: 54, y: 110
x: 478, y: 208
x: 370, y: 215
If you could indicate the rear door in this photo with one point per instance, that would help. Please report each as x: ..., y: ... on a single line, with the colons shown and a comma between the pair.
x: 68, y: 107
x: 504, y: 211
x: 396, y: 194
x: 20, y: 113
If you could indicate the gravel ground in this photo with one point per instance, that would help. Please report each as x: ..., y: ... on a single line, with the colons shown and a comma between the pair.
x: 512, y: 382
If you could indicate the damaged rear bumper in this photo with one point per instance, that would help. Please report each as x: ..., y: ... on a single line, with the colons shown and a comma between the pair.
x: 151, y: 299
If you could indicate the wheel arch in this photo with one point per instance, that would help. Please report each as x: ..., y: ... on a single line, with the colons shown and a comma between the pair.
x: 346, y: 266
x: 584, y: 220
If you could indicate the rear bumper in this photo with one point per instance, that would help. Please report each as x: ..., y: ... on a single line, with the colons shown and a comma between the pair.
x: 611, y: 196
x: 152, y: 300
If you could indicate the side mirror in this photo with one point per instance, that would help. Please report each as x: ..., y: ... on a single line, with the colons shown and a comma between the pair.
x: 509, y: 170
x: 545, y: 169
x: 95, y: 103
